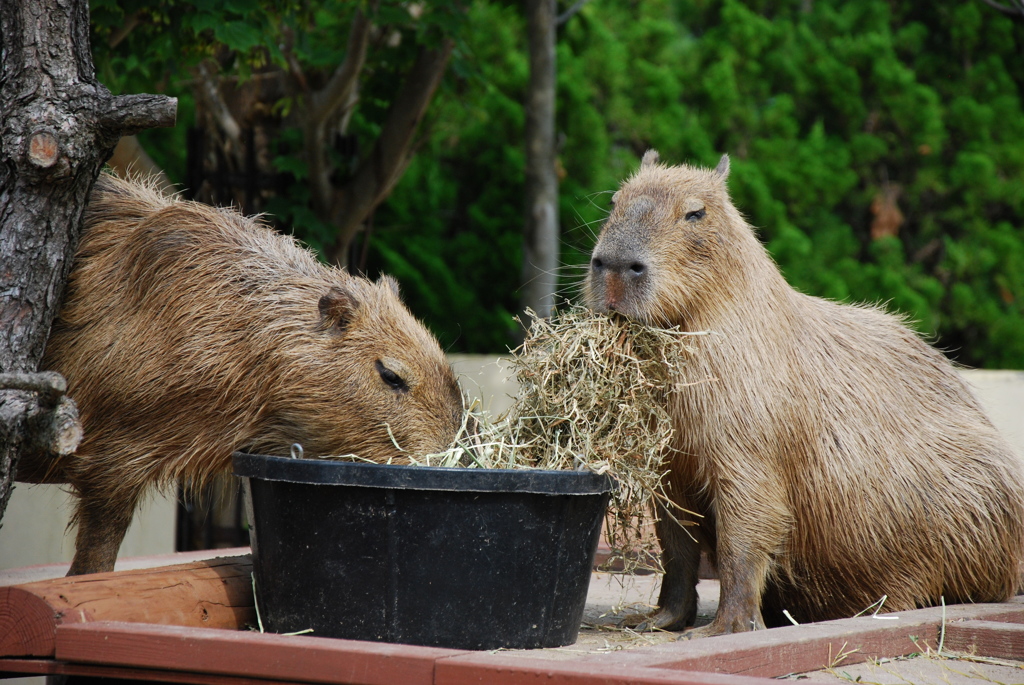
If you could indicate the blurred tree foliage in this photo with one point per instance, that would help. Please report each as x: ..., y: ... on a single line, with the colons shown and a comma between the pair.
x: 306, y: 109
x: 878, y: 146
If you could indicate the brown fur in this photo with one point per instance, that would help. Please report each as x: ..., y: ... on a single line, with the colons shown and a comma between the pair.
x: 189, y: 332
x: 835, y: 457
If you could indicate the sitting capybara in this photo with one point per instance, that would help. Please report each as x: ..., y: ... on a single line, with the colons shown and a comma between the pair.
x: 189, y: 332
x: 833, y: 456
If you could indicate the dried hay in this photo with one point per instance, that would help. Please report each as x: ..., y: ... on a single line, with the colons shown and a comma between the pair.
x: 593, y: 395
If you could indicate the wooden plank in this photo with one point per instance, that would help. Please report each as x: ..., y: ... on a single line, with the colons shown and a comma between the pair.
x: 799, y: 649
x: 498, y: 669
x: 986, y: 638
x: 248, y: 654
x: 780, y: 657
x: 19, y: 668
x: 215, y: 593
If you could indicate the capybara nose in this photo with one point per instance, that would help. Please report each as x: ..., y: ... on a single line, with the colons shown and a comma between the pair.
x: 628, y: 268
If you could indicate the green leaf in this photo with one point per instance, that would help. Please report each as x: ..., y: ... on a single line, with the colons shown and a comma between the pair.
x: 238, y: 35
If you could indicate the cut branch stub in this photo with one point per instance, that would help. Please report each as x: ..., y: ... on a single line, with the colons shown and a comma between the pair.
x: 126, y: 115
x: 51, y: 421
x: 49, y: 385
x: 43, y: 149
x: 56, y: 432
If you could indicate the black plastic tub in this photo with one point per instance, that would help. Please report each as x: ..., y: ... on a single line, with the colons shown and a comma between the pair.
x: 444, y: 557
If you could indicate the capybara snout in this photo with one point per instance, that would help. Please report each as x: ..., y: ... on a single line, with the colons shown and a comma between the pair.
x: 189, y: 332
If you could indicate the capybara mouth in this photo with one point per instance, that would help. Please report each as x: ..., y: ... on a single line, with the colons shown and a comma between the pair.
x: 636, y: 308
x: 611, y: 294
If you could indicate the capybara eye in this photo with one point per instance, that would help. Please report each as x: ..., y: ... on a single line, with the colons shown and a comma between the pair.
x: 391, y: 378
x: 695, y: 215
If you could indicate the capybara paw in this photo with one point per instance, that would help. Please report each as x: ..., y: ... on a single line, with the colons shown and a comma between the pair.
x: 725, y: 627
x: 704, y: 631
x: 662, y: 619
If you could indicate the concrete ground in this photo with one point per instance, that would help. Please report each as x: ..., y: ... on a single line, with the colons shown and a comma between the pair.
x: 612, y: 596
x: 922, y: 670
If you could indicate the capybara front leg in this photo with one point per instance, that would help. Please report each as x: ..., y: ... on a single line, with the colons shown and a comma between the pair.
x: 739, y: 608
x: 742, y: 579
x: 101, y: 529
x: 680, y: 557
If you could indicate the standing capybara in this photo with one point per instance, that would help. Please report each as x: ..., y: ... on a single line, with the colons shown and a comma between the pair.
x: 834, y: 457
x: 189, y: 332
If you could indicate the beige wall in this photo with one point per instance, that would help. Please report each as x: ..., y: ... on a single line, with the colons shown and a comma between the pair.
x: 33, y: 529
x: 486, y: 378
x: 1002, y: 395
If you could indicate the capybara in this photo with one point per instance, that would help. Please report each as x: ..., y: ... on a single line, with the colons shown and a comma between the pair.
x: 189, y: 332
x: 833, y: 457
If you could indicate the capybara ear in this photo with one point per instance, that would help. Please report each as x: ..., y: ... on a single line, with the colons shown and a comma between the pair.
x: 722, y: 169
x: 651, y: 157
x: 337, y: 308
x: 391, y: 283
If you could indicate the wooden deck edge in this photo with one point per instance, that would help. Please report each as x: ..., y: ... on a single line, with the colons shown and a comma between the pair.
x: 233, y: 656
x: 456, y: 670
x: 799, y: 649
x: 19, y: 668
x: 215, y: 593
x: 248, y: 654
x: 497, y: 669
x: 193, y: 652
x: 995, y: 639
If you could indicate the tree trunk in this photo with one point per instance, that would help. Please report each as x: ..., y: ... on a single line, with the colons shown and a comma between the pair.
x: 540, y: 234
x: 57, y: 126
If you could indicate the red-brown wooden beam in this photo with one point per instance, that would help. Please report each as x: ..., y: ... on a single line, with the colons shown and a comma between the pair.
x: 497, y: 669
x: 247, y: 654
x: 814, y: 646
x: 986, y: 638
x: 216, y: 593
x: 20, y: 668
x: 194, y: 652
